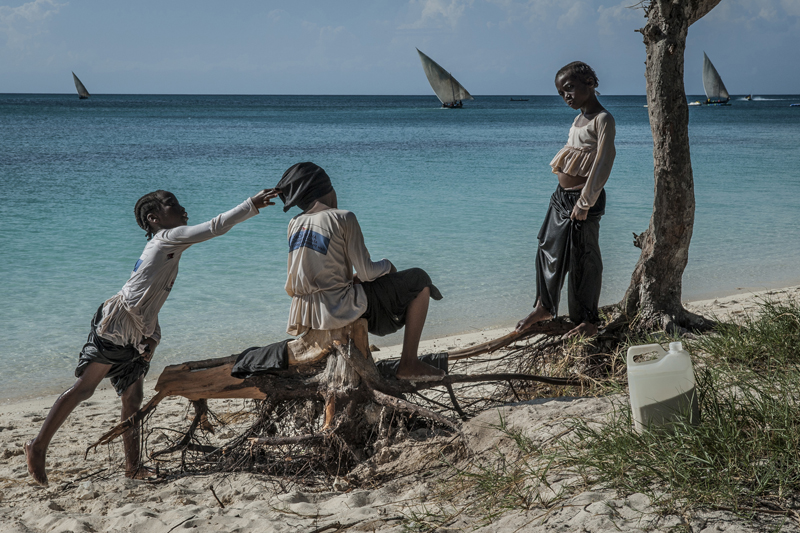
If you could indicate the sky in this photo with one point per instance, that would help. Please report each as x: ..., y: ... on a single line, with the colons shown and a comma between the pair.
x: 493, y: 47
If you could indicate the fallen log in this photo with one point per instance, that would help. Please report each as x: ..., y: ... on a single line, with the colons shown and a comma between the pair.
x: 349, y: 377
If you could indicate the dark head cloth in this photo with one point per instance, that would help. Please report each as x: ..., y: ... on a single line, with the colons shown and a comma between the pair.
x: 302, y: 184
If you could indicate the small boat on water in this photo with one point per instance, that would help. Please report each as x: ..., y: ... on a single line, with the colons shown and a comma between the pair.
x: 716, y: 93
x: 83, y: 94
x: 519, y: 99
x: 447, y: 89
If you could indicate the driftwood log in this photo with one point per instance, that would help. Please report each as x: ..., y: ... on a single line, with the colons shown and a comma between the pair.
x: 333, y: 366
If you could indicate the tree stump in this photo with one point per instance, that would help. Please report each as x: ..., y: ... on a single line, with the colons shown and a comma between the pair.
x: 334, y: 369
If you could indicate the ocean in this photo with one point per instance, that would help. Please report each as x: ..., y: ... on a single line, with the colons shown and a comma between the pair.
x: 460, y: 193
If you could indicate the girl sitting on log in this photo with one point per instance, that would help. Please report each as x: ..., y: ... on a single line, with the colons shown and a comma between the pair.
x: 124, y: 330
x: 325, y: 244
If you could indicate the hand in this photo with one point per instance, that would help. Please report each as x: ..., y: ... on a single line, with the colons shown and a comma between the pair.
x: 262, y: 199
x: 578, y: 213
x: 150, y: 348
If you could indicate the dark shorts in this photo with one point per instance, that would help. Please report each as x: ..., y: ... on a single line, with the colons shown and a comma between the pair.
x: 389, y: 296
x: 127, y: 365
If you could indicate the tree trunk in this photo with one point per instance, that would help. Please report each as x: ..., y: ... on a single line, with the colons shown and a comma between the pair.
x: 654, y: 295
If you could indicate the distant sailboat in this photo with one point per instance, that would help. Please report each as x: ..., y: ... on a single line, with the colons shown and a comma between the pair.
x: 716, y: 93
x: 450, y: 92
x: 82, y: 92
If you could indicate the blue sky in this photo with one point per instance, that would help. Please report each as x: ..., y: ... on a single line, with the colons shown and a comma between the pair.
x: 505, y: 47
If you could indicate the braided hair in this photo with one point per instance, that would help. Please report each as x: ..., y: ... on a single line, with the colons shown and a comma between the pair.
x: 582, y: 71
x: 149, y: 203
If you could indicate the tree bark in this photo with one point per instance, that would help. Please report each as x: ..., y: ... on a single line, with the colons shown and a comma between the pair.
x: 654, y: 295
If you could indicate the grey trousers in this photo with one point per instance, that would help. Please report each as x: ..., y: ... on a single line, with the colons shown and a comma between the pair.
x: 570, y: 246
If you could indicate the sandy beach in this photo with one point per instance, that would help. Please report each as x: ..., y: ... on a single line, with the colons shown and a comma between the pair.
x: 92, y: 494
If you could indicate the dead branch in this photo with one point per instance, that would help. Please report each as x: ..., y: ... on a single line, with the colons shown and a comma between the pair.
x: 280, y: 441
x: 408, y: 407
x: 554, y: 327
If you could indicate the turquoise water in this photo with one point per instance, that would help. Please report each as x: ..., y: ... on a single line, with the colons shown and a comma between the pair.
x: 460, y: 193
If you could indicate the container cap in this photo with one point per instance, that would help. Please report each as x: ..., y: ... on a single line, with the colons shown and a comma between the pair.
x: 675, y: 347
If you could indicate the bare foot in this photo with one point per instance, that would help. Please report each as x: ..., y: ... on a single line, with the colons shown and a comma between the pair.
x: 142, y: 472
x: 419, y: 371
x: 538, y: 314
x: 584, y: 329
x: 35, y: 462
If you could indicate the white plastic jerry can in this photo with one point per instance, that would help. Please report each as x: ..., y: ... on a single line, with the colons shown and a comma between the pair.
x: 663, y: 389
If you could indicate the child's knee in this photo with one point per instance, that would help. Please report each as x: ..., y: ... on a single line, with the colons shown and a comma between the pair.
x: 420, y: 273
x: 133, y: 395
x: 82, y: 391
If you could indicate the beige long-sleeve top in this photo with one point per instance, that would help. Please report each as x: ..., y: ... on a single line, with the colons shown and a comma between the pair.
x: 132, y: 314
x: 589, y: 153
x: 324, y: 247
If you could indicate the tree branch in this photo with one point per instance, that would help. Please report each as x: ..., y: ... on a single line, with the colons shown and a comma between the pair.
x: 702, y: 9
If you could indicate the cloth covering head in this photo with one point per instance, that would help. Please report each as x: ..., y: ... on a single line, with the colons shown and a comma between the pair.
x: 301, y: 184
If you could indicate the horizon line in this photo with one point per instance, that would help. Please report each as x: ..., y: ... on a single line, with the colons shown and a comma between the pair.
x: 353, y: 94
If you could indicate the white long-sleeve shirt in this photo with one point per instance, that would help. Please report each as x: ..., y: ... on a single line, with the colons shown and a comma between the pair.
x: 131, y: 315
x: 589, y: 153
x: 324, y: 247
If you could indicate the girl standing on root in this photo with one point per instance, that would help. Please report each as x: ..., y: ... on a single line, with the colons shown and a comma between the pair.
x: 568, y: 239
x: 124, y: 330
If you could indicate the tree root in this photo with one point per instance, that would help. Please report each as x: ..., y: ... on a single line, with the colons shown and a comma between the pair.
x: 130, y: 422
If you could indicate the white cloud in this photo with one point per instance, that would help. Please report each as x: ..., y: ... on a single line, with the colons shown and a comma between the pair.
x: 537, y: 12
x: 792, y: 7
x: 22, y: 23
x: 573, y: 15
x: 611, y: 19
x: 754, y: 10
x: 277, y: 15
x: 438, y: 13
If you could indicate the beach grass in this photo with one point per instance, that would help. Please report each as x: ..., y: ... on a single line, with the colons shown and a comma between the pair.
x: 743, y: 456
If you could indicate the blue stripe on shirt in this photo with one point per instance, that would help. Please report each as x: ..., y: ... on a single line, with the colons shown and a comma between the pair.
x: 309, y: 239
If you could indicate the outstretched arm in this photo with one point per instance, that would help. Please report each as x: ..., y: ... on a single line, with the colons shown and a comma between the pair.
x: 220, y: 224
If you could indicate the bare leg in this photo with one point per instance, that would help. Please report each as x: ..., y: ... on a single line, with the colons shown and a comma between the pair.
x: 585, y: 329
x: 36, y: 449
x: 410, y: 366
x: 538, y: 314
x: 131, y: 402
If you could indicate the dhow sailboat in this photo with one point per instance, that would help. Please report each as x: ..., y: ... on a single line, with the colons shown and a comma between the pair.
x: 83, y: 94
x: 450, y: 92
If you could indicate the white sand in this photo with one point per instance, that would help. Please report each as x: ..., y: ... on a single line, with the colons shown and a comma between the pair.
x: 93, y: 495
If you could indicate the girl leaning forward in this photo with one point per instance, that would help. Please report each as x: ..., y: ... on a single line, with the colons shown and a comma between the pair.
x: 124, y: 330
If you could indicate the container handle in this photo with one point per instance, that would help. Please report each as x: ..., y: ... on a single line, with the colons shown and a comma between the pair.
x: 633, y: 351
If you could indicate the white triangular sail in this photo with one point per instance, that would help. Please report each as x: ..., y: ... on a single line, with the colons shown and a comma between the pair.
x: 712, y: 83
x: 443, y: 83
x: 82, y: 92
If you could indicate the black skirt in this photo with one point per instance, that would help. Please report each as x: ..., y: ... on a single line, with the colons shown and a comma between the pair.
x: 570, y: 246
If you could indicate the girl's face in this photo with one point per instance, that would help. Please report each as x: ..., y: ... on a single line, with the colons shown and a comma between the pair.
x: 172, y: 213
x: 575, y: 92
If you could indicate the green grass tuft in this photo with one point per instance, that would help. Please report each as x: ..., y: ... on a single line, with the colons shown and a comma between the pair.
x: 744, y: 455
